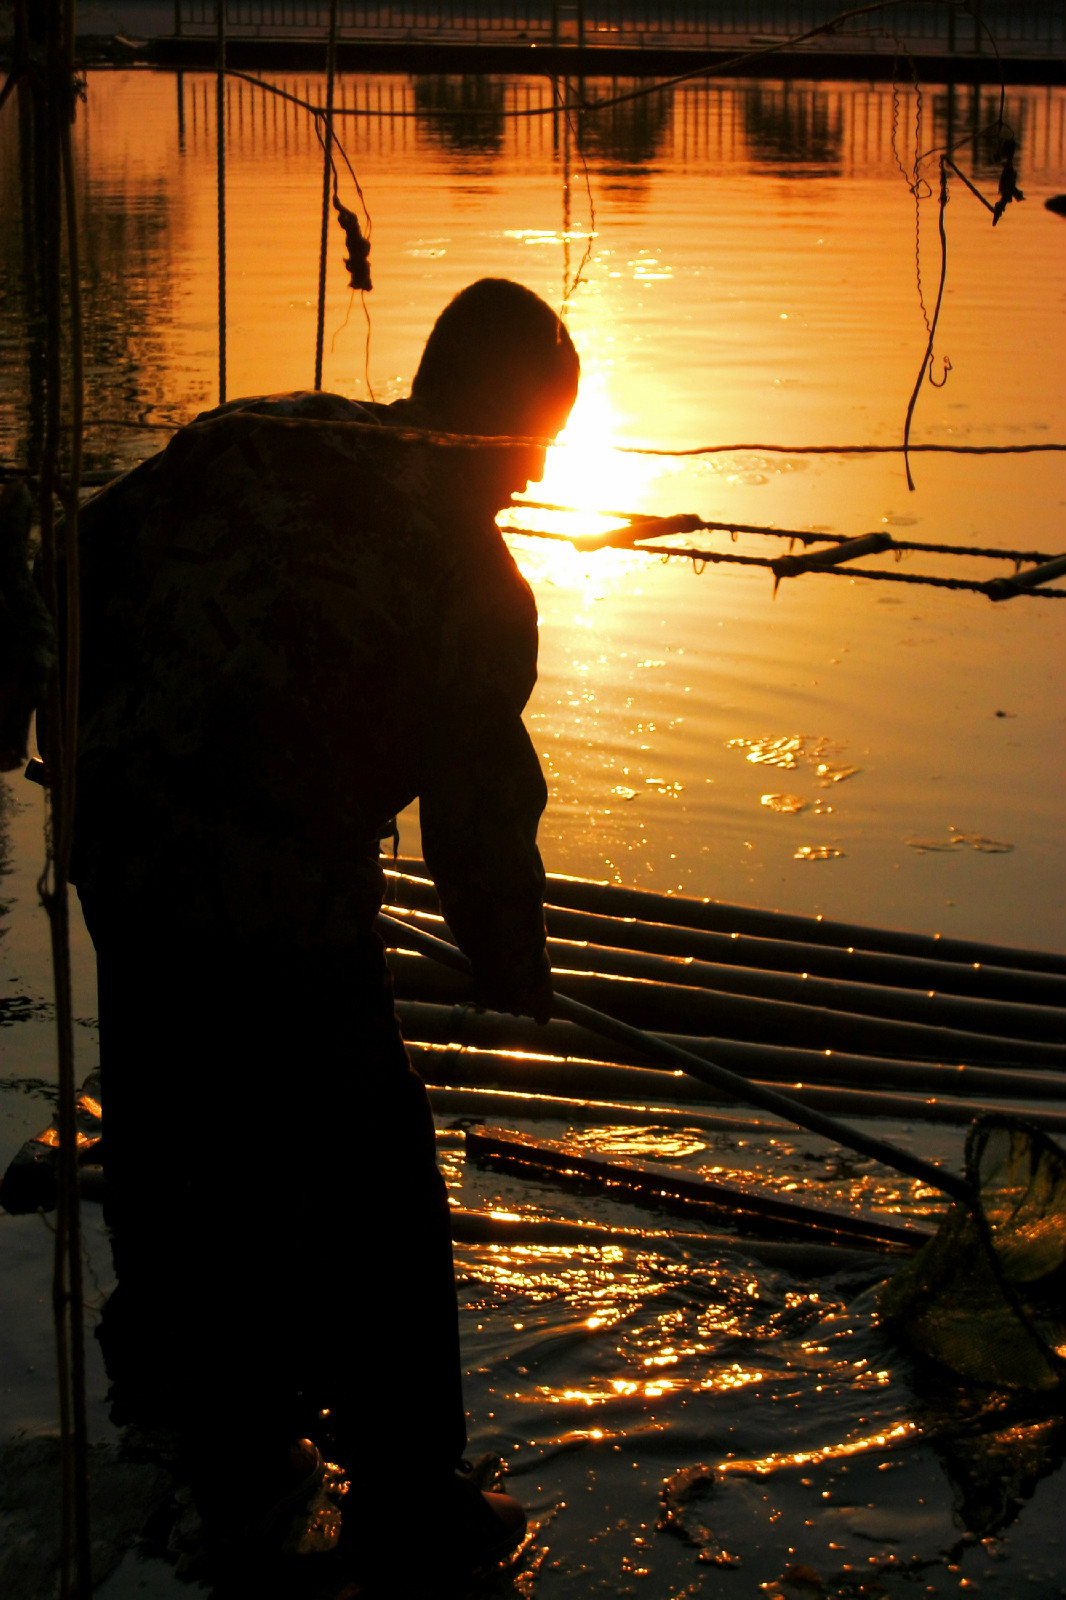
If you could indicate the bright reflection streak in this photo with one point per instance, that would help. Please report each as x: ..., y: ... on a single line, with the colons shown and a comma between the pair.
x: 829, y: 1452
x: 50, y: 1136
x: 733, y: 1377
x: 585, y: 472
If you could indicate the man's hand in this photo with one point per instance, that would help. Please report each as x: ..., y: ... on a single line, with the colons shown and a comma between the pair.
x: 520, y: 992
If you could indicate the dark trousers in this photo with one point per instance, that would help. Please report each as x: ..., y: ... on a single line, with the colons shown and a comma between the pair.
x: 280, y: 1230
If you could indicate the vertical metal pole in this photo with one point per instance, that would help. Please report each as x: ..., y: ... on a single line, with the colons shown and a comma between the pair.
x: 220, y: 127
x: 327, y: 165
x: 180, y: 82
x: 555, y: 24
x: 177, y: 19
x: 566, y: 190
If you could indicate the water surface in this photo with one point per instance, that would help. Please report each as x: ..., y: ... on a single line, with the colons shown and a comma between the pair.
x: 751, y: 280
x: 880, y: 753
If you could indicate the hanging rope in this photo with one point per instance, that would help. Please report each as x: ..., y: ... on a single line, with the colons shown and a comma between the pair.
x: 464, y: 440
x: 572, y: 130
x: 578, y: 102
x: 51, y: 192
x: 928, y: 356
x: 843, y: 449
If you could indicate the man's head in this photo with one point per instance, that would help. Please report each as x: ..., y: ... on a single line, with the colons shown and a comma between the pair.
x: 499, y: 362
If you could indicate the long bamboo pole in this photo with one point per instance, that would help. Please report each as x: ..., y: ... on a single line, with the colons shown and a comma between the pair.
x: 752, y: 1210
x: 468, y: 1099
x: 770, y: 951
x: 717, y: 916
x: 767, y: 1063
x: 596, y: 1069
x: 800, y: 1257
x: 707, y: 1072
x: 578, y: 941
x: 675, y: 1009
x: 928, y: 1009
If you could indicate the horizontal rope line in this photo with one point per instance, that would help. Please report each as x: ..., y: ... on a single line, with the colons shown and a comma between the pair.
x: 844, y: 449
x: 440, y: 437
x: 921, y: 578
x: 398, y: 116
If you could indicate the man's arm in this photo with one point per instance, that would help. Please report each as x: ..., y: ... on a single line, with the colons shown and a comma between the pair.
x: 480, y: 807
x: 481, y: 801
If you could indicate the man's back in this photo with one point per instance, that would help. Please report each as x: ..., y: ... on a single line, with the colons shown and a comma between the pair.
x: 291, y: 629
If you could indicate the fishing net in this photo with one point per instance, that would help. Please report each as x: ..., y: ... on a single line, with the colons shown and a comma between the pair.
x: 986, y: 1297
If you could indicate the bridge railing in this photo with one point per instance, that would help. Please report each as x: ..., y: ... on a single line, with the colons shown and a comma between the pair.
x: 1028, y: 28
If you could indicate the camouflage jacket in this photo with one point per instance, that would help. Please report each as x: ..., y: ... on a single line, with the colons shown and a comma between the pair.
x: 291, y: 628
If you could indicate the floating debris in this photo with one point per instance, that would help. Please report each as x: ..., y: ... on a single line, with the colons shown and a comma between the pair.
x: 817, y: 852
x: 679, y: 1510
x: 827, y: 774
x: 788, y: 804
x: 788, y: 750
x: 976, y: 841
x: 641, y: 1142
x: 780, y: 752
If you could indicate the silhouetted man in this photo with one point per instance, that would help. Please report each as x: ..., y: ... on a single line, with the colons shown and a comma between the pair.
x: 298, y: 618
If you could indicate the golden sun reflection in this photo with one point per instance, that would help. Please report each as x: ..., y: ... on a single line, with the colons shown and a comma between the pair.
x: 584, y: 470
x: 50, y: 1136
x: 589, y: 480
x: 886, y: 1438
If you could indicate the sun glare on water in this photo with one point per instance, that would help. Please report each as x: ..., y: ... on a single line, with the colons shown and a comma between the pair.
x: 586, y: 472
x: 589, y: 483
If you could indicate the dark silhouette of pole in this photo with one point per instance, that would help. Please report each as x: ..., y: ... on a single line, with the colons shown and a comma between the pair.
x: 327, y: 165
x: 220, y: 125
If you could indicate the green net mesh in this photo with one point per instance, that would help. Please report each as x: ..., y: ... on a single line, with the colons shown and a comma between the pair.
x: 986, y: 1297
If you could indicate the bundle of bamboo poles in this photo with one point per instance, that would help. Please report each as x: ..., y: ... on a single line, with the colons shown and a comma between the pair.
x: 856, y: 1021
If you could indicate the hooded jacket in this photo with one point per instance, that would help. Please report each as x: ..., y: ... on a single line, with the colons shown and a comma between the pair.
x: 295, y: 622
